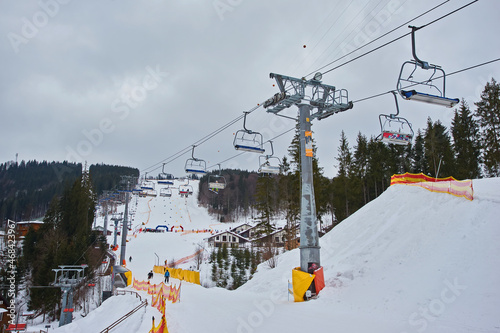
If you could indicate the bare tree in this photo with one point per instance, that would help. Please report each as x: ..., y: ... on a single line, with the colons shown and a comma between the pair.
x: 198, y: 258
x: 270, y: 254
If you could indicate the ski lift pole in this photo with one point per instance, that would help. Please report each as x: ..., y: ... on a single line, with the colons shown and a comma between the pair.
x: 309, y: 238
x: 326, y: 100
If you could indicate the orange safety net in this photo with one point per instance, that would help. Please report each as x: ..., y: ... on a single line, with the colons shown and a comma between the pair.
x: 458, y: 188
x: 161, y: 328
x: 171, y: 293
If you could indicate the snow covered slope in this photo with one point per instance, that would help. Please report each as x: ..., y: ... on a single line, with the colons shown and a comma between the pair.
x: 409, y: 261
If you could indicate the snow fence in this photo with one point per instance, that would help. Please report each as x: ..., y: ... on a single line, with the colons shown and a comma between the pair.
x: 170, y: 293
x: 179, y: 273
x: 160, y: 294
x: 458, y: 188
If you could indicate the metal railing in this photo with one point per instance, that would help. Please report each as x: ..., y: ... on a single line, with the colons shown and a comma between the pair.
x: 120, y: 320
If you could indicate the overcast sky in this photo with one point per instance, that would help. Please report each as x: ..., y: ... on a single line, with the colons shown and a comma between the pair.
x: 133, y: 82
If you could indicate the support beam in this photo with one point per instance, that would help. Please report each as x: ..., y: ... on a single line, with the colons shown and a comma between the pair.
x: 309, y: 238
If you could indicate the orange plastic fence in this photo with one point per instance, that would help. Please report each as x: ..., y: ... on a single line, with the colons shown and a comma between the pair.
x: 186, y: 259
x: 161, y: 328
x: 170, y: 293
x: 458, y: 188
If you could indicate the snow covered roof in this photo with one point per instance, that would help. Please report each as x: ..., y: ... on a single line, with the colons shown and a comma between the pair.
x: 29, y: 222
x: 231, y: 233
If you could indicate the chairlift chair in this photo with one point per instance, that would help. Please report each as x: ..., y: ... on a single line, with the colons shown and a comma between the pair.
x: 165, y: 178
x: 269, y: 164
x: 394, y: 129
x: 415, y: 67
x: 247, y: 140
x: 195, y: 165
x: 166, y: 192
x: 147, y: 185
x: 185, y: 189
x: 216, y: 182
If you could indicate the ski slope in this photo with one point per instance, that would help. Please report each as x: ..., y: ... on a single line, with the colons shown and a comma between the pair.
x: 409, y: 261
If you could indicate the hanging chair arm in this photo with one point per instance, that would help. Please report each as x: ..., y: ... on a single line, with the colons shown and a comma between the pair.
x: 245, y: 122
x: 397, y: 105
x: 192, y: 153
x: 421, y: 63
x: 272, y: 149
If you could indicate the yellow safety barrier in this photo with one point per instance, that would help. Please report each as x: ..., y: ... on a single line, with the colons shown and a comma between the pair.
x: 458, y: 188
x: 128, y: 275
x: 301, y: 282
x: 179, y: 273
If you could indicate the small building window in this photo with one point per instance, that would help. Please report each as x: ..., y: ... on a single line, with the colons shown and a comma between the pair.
x: 277, y: 239
x: 224, y: 238
x: 217, y: 238
x: 234, y: 239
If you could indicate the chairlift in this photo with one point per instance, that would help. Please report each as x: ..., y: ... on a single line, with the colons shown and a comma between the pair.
x: 248, y: 140
x: 147, y: 185
x: 394, y: 129
x: 216, y: 182
x: 165, y: 178
x: 416, y: 79
x: 185, y: 189
x: 166, y: 192
x: 195, y: 165
x: 269, y: 164
x: 151, y: 193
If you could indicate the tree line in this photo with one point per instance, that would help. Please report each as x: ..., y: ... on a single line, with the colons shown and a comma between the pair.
x: 26, y: 188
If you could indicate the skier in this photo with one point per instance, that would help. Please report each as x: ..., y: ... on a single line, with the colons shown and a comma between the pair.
x: 150, y: 275
x: 167, y: 276
x: 130, y: 259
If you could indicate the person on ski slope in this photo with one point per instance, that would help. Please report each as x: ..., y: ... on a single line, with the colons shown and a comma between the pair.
x: 167, y: 276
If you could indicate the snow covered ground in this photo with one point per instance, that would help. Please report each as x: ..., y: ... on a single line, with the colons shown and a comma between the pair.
x: 409, y: 261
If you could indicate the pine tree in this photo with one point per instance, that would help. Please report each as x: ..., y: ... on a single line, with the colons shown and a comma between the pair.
x: 341, y: 183
x: 419, y: 164
x: 360, y: 164
x: 265, y: 197
x: 465, y: 132
x: 378, y: 166
x: 65, y: 238
x: 437, y: 150
x: 488, y: 114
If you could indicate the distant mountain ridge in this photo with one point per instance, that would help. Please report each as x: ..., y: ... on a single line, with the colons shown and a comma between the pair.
x: 26, y: 188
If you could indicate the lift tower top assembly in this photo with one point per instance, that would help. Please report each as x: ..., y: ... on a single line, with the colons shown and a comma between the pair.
x: 67, y: 278
x: 315, y: 100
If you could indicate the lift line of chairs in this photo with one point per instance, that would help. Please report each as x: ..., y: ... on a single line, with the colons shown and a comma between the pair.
x: 397, y: 130
x: 394, y: 129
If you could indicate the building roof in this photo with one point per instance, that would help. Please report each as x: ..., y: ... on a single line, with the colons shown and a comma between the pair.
x: 231, y: 233
x: 271, y: 234
x: 241, y: 225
